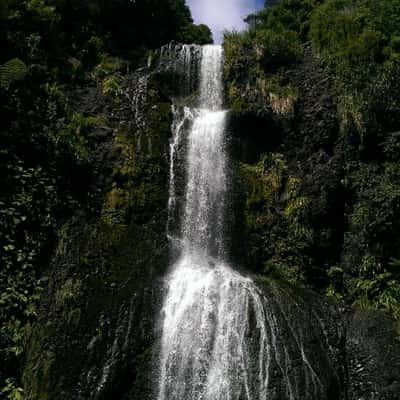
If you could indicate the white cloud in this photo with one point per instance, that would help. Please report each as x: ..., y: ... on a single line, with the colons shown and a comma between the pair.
x: 221, y: 14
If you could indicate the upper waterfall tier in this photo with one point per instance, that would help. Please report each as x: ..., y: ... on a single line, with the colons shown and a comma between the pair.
x: 195, y: 68
x: 203, y: 132
x: 211, y: 82
x: 203, y: 222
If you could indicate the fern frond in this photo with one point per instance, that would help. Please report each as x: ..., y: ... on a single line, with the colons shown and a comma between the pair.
x: 13, y: 70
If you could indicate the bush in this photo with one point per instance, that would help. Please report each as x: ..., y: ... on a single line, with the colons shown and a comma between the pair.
x: 279, y: 47
x: 197, y: 34
x: 254, y: 66
x: 371, y: 244
x: 362, y: 52
x: 12, y: 71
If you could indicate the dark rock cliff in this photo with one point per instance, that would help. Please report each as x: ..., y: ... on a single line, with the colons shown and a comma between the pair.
x: 373, y: 356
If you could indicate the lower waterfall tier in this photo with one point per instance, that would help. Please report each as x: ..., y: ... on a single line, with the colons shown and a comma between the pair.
x: 224, y: 339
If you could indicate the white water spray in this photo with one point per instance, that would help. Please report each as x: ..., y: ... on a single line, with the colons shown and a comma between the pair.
x: 219, y: 337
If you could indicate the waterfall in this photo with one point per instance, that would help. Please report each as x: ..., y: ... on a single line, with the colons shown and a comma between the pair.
x: 181, y: 60
x: 220, y: 337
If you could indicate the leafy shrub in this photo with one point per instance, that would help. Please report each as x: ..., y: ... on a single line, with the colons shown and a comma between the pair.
x: 248, y: 70
x: 271, y: 48
x: 279, y: 47
x: 198, y: 34
x: 108, y: 65
x: 371, y: 244
x: 362, y: 52
x: 11, y: 71
x: 277, y: 231
x: 11, y: 391
x: 376, y: 287
x: 112, y: 86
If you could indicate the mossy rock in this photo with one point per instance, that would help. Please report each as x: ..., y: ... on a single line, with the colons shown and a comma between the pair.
x: 95, y: 334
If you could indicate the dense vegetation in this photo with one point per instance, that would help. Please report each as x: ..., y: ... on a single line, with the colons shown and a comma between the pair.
x: 357, y: 43
x: 335, y: 227
x: 48, y: 48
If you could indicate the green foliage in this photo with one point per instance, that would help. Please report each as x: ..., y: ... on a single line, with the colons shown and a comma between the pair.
x: 376, y: 287
x: 272, y: 48
x: 112, y: 87
x: 26, y: 219
x: 198, y: 34
x: 336, y: 281
x: 256, y: 59
x: 11, y: 392
x: 237, y: 63
x: 291, y: 14
x: 108, y: 66
x: 249, y: 88
x: 280, y: 47
x: 372, y: 242
x: 277, y: 240
x: 362, y: 52
x: 12, y: 71
x: 358, y: 43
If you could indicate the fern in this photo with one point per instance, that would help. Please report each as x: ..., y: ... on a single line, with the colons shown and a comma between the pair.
x: 13, y: 70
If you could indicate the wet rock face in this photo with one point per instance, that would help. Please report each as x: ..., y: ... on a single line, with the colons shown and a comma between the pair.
x: 306, y: 337
x: 373, y: 356
x: 95, y: 333
x: 294, y: 216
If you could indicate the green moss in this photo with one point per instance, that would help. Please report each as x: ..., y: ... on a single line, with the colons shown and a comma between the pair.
x: 115, y: 206
x: 275, y: 218
x: 36, y: 376
x: 69, y: 292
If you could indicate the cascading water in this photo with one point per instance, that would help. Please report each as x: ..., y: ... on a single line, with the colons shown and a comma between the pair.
x: 220, y: 338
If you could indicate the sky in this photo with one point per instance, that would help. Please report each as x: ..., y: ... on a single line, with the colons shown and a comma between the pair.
x: 223, y: 14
